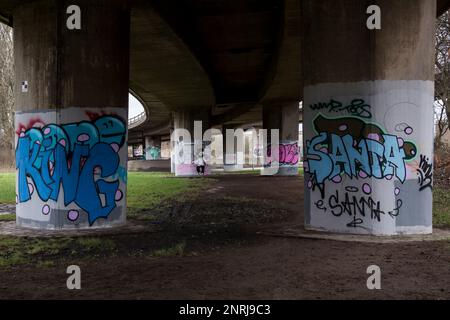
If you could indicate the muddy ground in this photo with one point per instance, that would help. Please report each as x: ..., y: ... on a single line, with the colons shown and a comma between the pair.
x: 224, y: 258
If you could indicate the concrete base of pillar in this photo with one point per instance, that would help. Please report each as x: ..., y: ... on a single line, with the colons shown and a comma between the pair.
x: 288, y: 171
x: 149, y: 165
x: 191, y: 170
x: 59, y: 222
x: 233, y: 167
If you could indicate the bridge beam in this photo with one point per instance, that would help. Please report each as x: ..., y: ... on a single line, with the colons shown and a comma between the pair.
x: 233, y: 149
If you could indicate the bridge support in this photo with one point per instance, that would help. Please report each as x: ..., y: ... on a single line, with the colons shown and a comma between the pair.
x: 368, y: 110
x: 189, y: 159
x: 233, y: 158
x: 71, y: 114
x: 285, y: 118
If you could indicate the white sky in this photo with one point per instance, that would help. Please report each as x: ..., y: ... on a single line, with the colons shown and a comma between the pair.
x: 135, y: 107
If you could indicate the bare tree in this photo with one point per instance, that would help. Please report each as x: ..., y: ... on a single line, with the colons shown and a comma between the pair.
x: 6, y: 96
x: 442, y: 70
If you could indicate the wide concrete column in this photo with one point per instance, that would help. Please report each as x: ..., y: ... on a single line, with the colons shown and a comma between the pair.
x: 368, y: 106
x: 188, y: 142
x: 153, y: 148
x: 71, y: 114
x: 285, y: 118
x: 233, y: 158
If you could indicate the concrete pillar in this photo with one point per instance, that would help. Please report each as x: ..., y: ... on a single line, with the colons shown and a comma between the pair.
x: 188, y: 142
x: 368, y: 107
x: 153, y: 148
x: 233, y: 158
x: 71, y: 114
x: 284, y: 117
x: 172, y: 152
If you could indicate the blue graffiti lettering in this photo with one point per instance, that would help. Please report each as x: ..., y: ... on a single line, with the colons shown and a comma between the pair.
x: 375, y: 159
x: 77, y: 157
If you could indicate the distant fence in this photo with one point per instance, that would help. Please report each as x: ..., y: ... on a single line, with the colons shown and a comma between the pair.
x: 137, y: 120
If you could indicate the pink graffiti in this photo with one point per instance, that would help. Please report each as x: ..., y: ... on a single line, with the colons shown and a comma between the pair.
x: 288, y: 154
x: 73, y: 215
x: 95, y: 115
x: 33, y: 123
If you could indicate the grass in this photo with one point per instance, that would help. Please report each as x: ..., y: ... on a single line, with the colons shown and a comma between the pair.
x: 8, y: 217
x: 177, y: 250
x: 148, y: 190
x: 49, y: 252
x: 7, y: 188
x: 441, y: 207
x: 15, y: 251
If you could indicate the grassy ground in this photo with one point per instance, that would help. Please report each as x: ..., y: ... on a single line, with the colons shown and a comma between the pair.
x: 441, y: 207
x: 45, y: 252
x: 150, y: 190
x: 7, y: 190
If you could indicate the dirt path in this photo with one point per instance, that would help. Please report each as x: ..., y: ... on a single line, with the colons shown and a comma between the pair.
x: 225, y: 259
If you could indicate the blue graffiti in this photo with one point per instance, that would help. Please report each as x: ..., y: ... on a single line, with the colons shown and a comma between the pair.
x: 153, y: 153
x: 349, y: 146
x: 369, y: 156
x: 78, y: 157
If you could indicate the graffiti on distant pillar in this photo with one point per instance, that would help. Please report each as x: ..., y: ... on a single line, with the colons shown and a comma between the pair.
x: 153, y: 153
x: 79, y: 158
x: 189, y: 164
x: 288, y: 153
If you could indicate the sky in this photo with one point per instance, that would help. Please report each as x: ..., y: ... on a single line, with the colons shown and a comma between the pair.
x: 135, y: 108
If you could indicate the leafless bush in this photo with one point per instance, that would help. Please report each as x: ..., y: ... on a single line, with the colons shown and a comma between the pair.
x: 6, y: 96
